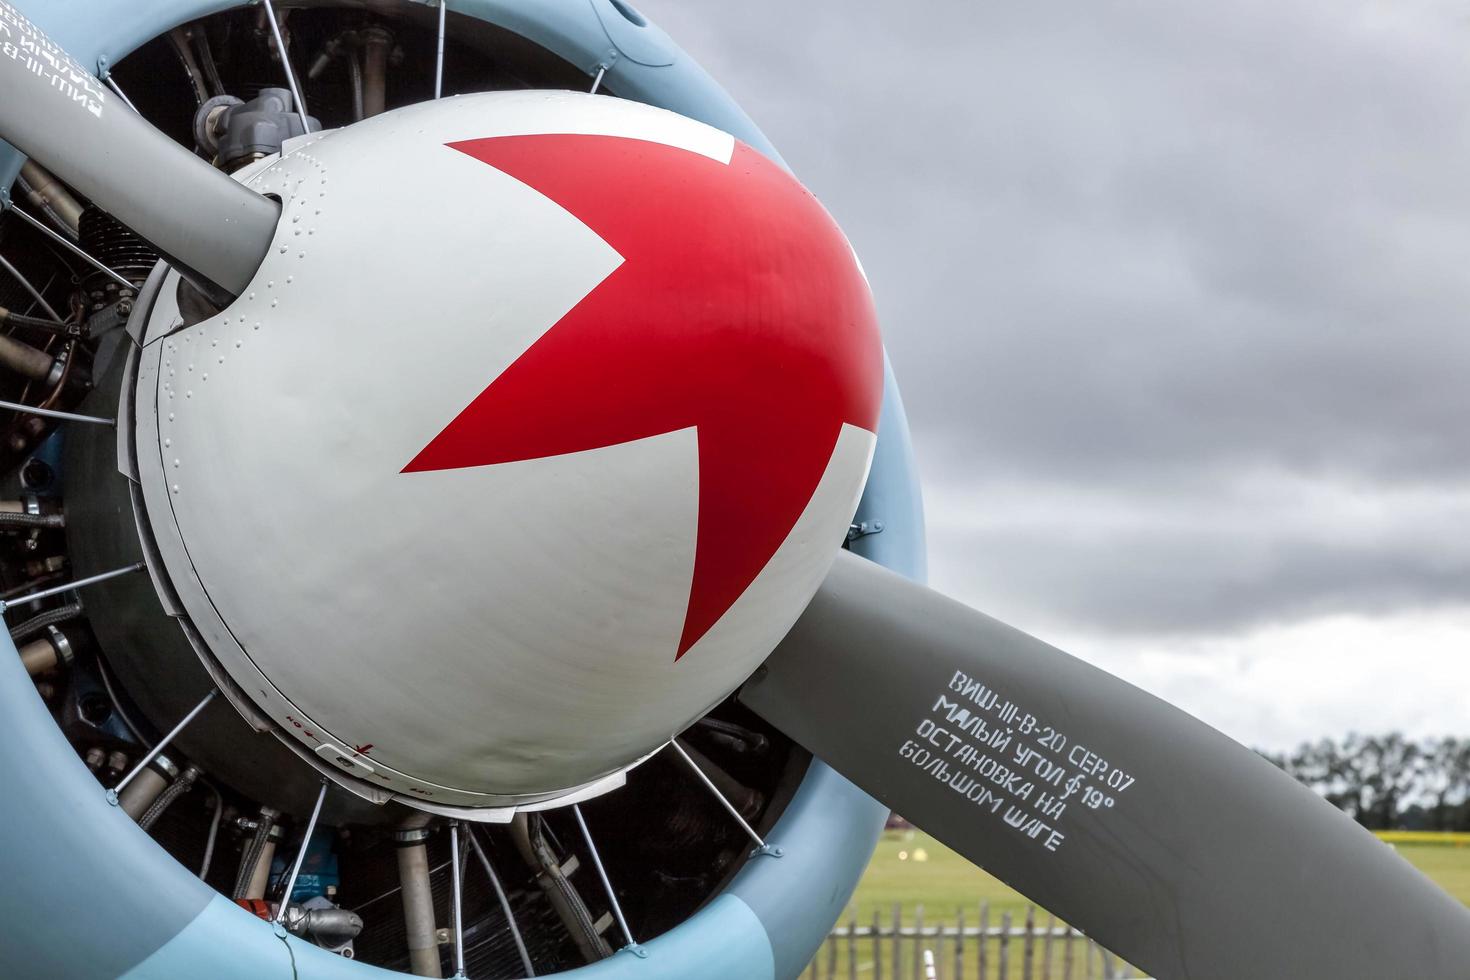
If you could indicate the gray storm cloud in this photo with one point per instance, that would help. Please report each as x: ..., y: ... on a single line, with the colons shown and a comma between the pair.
x: 1178, y: 294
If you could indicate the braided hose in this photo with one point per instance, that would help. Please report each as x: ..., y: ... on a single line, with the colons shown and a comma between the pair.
x: 37, y: 323
x: 175, y: 789
x: 14, y: 519
x: 252, y: 854
x: 529, y: 835
x: 50, y: 617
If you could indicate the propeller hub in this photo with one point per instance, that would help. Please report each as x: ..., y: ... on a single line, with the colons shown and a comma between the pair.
x: 536, y: 430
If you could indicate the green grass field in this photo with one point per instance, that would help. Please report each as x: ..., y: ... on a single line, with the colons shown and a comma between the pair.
x: 913, y: 871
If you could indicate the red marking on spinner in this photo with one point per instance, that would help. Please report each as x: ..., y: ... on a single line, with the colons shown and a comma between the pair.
x: 738, y: 309
x: 302, y: 728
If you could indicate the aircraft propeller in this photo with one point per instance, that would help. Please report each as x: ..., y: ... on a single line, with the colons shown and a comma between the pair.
x: 1175, y: 846
x: 1153, y: 833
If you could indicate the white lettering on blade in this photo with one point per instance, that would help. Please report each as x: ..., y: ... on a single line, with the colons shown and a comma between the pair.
x: 22, y: 42
x: 1004, y: 759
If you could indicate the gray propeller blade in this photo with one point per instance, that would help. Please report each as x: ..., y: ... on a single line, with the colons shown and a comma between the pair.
x: 57, y: 112
x: 1176, y: 847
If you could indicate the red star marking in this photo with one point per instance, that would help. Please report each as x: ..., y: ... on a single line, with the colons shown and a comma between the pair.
x: 738, y: 309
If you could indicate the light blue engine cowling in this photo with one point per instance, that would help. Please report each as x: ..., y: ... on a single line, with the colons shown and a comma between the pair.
x: 89, y: 894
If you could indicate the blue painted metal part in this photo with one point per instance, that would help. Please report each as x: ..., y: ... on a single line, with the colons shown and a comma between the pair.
x: 63, y: 841
x: 224, y: 942
x: 93, y: 30
x: 49, y: 452
x: 318, y: 868
x: 826, y: 836
x: 724, y: 940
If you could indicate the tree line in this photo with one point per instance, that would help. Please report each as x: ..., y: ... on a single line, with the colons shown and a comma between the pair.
x: 1388, y: 782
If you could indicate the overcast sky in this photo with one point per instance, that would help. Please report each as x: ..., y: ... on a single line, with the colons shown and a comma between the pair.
x: 1179, y: 297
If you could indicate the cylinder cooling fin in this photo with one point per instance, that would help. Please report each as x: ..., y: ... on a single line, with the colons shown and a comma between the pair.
x: 184, y: 809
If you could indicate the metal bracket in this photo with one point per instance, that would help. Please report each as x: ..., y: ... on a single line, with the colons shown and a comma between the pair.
x: 604, y: 64
x: 636, y: 950
x: 767, y: 850
x: 104, y: 72
x: 862, y: 530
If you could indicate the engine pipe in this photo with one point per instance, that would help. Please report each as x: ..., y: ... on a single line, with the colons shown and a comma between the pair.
x: 418, y: 902
x: 38, y: 323
x: 47, y: 193
x: 15, y: 516
x: 530, y: 840
x: 44, y: 621
x: 255, y: 860
x: 376, y: 43
x: 38, y: 656
x: 176, y: 789
x: 26, y: 360
x: 138, y: 795
x: 260, y: 871
x: 219, y: 812
x: 345, y: 46
x: 46, y: 653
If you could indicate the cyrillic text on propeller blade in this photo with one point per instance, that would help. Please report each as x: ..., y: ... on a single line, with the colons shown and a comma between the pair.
x: 21, y: 42
x: 997, y: 755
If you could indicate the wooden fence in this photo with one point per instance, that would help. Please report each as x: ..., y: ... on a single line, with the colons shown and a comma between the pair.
x: 1003, y: 947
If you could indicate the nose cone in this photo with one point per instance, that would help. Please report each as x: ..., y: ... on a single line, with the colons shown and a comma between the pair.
x: 535, y: 432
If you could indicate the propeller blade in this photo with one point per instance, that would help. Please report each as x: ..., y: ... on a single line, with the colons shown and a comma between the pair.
x: 1164, y: 840
x: 57, y: 112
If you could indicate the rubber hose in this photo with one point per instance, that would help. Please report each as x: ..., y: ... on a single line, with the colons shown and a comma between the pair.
x: 13, y: 519
x: 354, y: 71
x: 50, y: 617
x: 591, y: 942
x: 69, y: 221
x: 251, y: 856
x: 174, y: 790
x: 219, y: 810
x: 36, y: 323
